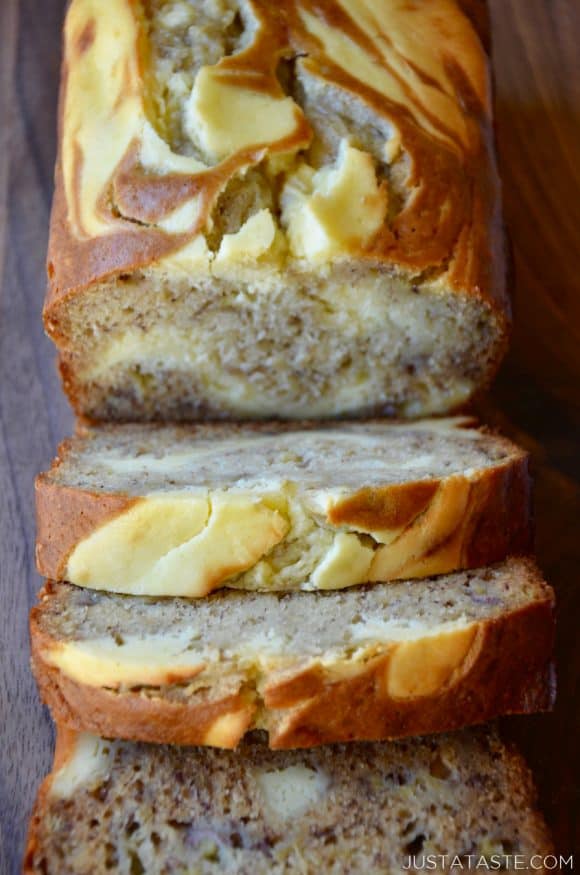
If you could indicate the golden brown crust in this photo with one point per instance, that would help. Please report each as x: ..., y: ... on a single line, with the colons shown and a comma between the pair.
x: 32, y: 839
x: 136, y: 716
x: 64, y: 749
x: 507, y: 670
x: 454, y: 174
x: 384, y: 507
x: 494, y: 522
x: 478, y: 13
x: 504, y: 677
x: 65, y: 516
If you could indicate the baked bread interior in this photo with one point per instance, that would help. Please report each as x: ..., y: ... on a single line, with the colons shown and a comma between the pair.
x: 167, y: 511
x: 371, y: 662
x: 135, y: 808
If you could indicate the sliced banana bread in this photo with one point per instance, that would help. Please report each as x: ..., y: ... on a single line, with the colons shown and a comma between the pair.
x: 275, y: 209
x: 180, y: 511
x: 345, y: 810
x: 372, y: 662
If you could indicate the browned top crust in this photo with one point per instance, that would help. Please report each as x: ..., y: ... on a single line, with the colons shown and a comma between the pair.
x: 418, y: 69
x: 478, y: 13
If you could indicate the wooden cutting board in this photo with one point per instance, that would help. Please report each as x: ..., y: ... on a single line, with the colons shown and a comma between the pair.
x: 536, y: 399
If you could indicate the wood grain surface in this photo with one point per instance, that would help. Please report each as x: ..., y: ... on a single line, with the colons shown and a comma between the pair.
x: 536, y: 398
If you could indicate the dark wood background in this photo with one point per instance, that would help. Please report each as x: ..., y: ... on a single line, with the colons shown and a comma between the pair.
x: 536, y: 398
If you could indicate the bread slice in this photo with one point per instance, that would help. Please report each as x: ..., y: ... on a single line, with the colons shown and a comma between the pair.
x: 361, y: 808
x: 373, y: 662
x: 167, y: 511
x: 275, y: 209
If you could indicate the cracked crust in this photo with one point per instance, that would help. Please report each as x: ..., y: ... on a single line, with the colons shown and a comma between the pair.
x: 293, y: 35
x: 181, y: 221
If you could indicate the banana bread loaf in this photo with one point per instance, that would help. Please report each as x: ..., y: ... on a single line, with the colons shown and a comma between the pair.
x: 169, y: 511
x: 275, y: 209
x: 347, y: 810
x: 373, y: 662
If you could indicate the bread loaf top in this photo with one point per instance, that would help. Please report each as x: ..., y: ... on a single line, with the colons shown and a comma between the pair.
x: 201, y: 137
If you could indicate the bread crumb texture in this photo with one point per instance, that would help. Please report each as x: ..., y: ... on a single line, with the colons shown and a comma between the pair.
x: 134, y: 808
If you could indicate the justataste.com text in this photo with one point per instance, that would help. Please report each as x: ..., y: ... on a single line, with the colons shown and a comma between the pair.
x: 489, y: 863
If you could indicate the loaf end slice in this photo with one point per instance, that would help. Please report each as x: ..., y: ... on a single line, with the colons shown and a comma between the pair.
x: 373, y: 808
x: 384, y: 661
x: 275, y: 211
